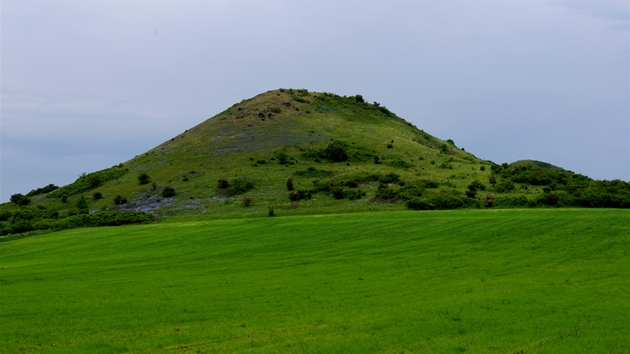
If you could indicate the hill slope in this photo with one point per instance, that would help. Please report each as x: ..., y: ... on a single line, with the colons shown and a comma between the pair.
x: 306, y: 152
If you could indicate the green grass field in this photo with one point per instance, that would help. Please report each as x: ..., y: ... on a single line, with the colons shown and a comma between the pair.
x: 477, y: 281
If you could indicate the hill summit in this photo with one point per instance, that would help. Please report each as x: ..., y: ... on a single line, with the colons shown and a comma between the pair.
x: 292, y: 151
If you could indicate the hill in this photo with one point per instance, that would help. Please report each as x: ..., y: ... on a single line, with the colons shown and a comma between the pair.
x: 298, y: 152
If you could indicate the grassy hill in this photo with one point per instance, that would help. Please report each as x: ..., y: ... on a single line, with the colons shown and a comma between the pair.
x: 468, y: 281
x: 302, y: 152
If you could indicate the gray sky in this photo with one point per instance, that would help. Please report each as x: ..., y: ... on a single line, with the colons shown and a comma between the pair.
x: 86, y: 84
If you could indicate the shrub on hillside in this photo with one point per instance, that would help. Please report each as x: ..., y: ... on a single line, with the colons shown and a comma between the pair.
x: 419, y: 204
x: 144, y: 178
x: 289, y: 184
x: 5, y: 215
x: 336, y: 153
x: 168, y: 191
x: 223, y: 183
x: 49, y: 188
x: 20, y: 199
x: 300, y: 195
x: 476, y: 186
x: 390, y: 178
x: 82, y: 205
x: 120, y: 199
x: 97, y: 195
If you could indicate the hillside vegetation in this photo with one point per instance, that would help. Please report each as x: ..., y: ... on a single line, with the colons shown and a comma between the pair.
x: 294, y: 152
x: 469, y: 281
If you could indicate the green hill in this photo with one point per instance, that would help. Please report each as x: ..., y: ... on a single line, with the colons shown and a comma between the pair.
x: 302, y: 152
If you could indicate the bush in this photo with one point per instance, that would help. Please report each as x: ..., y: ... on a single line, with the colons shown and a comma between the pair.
x: 223, y: 183
x: 377, y: 160
x: 300, y: 195
x: 337, y: 193
x: 5, y: 215
x: 20, y: 199
x: 82, y: 205
x: 270, y: 210
x: 471, y: 194
x: 390, y: 146
x: 356, y: 194
x: 144, y: 178
x: 247, y: 201
x: 390, y: 178
x: 519, y: 201
x: 336, y: 153
x: 168, y: 191
x: 49, y: 188
x: 120, y: 199
x: 425, y: 183
x: 489, y: 200
x: 290, y: 184
x: 504, y: 187
x: 419, y: 204
x: 398, y: 163
x: 384, y: 192
x: 97, y: 195
x: 239, y: 186
x: 476, y: 186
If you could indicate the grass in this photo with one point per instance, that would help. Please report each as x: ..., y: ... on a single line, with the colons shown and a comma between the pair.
x: 478, y: 281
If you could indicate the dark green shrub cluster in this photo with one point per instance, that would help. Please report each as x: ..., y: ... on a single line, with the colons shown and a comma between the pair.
x: 516, y: 201
x: 97, y: 195
x: 441, y: 201
x: 312, y: 172
x: 398, y: 163
x: 289, y: 184
x: 49, y: 188
x: 390, y: 178
x: 339, y: 151
x: 20, y: 199
x: 5, y: 215
x: 29, y: 219
x: 284, y: 159
x: 168, y: 191
x: 87, y: 182
x: 82, y: 205
x: 144, y: 178
x: 104, y: 218
x: 120, y: 199
x: 235, y: 187
x: 300, y: 195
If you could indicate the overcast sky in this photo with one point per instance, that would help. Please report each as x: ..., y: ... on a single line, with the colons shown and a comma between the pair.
x: 89, y: 84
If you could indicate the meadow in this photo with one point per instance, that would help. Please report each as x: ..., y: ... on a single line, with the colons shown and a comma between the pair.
x: 477, y: 281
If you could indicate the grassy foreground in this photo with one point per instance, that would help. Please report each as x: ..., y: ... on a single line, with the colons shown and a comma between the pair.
x: 491, y: 281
